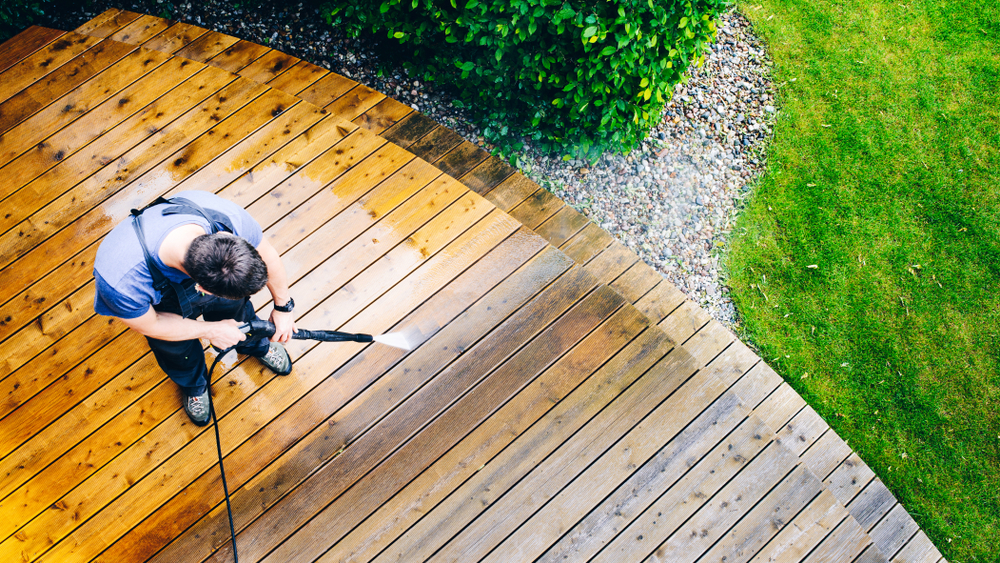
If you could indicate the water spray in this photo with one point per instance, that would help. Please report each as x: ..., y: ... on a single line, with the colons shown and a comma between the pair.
x: 259, y: 329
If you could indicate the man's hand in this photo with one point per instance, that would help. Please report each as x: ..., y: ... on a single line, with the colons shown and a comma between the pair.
x: 284, y: 326
x: 224, y: 334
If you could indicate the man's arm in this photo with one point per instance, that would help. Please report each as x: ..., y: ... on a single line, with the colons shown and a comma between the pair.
x: 174, y: 328
x: 277, y: 284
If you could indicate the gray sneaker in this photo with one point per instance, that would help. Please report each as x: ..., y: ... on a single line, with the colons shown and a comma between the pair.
x: 197, y: 409
x: 277, y: 359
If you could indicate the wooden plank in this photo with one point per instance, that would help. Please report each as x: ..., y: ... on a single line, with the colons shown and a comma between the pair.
x: 533, y: 211
x: 589, y: 242
x: 731, y: 362
x: 893, y: 531
x: 140, y: 499
x: 64, y: 316
x: 636, y: 282
x: 845, y: 543
x: 142, y: 347
x: 824, y: 455
x: 326, y: 440
x: 410, y: 129
x: 666, y: 490
x: 383, y: 115
x: 685, y: 321
x: 561, y: 226
x: 87, y: 113
x: 780, y: 406
x: 448, y: 331
x: 298, y: 78
x: 765, y: 520
x: 313, y: 177
x: 487, y: 175
x: 709, y: 341
x: 414, y: 291
x: 206, y: 47
x: 804, y: 532
x: 25, y: 43
x: 150, y: 154
x: 435, y: 144
x: 324, y: 91
x: 97, y: 21
x: 511, y: 192
x: 432, y: 486
x: 141, y: 30
x: 354, y: 103
x: 918, y: 550
x: 42, y: 62
x: 707, y: 516
x: 462, y: 159
x: 611, y: 484
x: 101, y: 330
x: 269, y: 66
x: 175, y: 38
x: 757, y: 384
x: 302, y: 151
x: 444, y: 432
x: 103, y: 26
x: 489, y: 484
x: 610, y: 264
x: 146, y: 111
x: 237, y: 56
x: 800, y: 432
x: 77, y: 272
x: 872, y: 504
x: 660, y: 301
x: 67, y: 77
x: 849, y: 478
x: 871, y: 554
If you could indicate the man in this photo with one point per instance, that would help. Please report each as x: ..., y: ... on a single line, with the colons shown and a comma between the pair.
x: 195, y: 254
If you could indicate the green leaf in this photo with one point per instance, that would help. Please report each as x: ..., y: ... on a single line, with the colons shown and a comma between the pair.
x: 399, y: 35
x: 607, y: 50
x: 472, y: 4
x: 590, y: 31
x: 384, y: 8
x: 644, y: 82
x: 683, y: 24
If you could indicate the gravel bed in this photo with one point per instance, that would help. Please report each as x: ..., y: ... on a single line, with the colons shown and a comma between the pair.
x: 673, y: 201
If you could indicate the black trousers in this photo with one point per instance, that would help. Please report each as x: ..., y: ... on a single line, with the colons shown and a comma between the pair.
x: 184, y: 361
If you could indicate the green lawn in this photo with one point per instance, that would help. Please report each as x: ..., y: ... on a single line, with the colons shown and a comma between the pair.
x: 884, y: 174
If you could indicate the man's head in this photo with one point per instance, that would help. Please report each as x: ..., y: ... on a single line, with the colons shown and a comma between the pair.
x: 225, y: 265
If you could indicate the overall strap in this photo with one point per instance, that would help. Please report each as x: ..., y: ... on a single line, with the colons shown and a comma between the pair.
x: 179, y: 205
x: 184, y: 206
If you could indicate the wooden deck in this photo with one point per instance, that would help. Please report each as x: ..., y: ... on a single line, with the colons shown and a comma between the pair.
x: 565, y: 402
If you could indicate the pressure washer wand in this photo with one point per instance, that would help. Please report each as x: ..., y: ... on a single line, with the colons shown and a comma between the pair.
x: 260, y: 328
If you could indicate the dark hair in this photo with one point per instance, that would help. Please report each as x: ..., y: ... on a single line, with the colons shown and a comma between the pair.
x: 225, y: 265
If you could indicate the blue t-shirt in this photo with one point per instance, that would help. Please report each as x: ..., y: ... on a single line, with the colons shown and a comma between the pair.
x: 124, y: 284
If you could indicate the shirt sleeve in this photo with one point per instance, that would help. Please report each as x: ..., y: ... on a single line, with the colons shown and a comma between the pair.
x: 129, y: 301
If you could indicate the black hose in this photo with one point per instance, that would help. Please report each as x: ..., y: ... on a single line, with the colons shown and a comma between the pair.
x: 256, y: 329
x: 218, y: 446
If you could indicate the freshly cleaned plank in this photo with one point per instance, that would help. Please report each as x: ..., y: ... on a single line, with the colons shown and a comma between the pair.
x: 25, y: 43
x: 67, y: 77
x: 42, y: 62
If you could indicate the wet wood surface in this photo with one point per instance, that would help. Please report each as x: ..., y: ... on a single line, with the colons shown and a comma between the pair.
x: 563, y: 401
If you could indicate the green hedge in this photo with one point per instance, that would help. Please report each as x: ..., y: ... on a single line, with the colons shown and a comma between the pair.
x: 576, y: 76
x: 16, y: 15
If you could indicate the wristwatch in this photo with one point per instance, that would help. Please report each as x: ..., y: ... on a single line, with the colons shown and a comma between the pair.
x: 287, y: 307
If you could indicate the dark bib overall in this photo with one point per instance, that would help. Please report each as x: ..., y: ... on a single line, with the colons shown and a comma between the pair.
x: 184, y: 361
